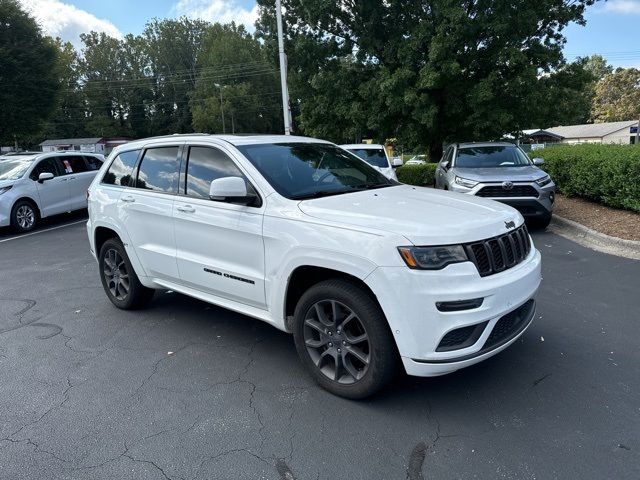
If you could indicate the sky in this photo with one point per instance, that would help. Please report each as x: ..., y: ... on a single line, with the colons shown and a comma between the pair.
x: 611, y: 30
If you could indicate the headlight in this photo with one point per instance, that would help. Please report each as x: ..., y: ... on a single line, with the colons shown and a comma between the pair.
x: 465, y: 182
x: 5, y: 189
x: 432, y: 258
x: 544, y: 180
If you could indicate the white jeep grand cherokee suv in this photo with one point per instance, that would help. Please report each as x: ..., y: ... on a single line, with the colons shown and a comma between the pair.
x: 365, y: 272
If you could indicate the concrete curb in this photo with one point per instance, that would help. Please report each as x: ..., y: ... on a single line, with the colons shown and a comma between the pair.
x: 589, y: 238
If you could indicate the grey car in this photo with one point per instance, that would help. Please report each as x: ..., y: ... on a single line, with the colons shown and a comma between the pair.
x: 502, y: 172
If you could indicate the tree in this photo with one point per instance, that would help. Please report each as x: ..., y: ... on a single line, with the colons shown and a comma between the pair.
x: 431, y: 72
x: 597, y: 66
x: 233, y: 61
x: 29, y: 83
x: 617, y: 96
x: 173, y: 48
x: 68, y: 119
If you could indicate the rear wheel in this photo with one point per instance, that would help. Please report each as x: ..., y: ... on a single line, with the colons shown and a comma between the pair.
x: 119, y: 280
x: 343, y: 339
x: 24, y: 216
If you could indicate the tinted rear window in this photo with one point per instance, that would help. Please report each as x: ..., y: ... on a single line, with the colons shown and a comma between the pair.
x: 121, y: 169
x: 159, y: 170
x: 74, y: 164
x: 93, y: 163
x: 375, y: 157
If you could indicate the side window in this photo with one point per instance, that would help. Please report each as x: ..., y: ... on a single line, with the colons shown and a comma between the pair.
x: 159, y: 170
x: 120, y: 171
x: 205, y: 164
x: 48, y: 165
x: 93, y: 163
x: 73, y: 164
x: 447, y: 156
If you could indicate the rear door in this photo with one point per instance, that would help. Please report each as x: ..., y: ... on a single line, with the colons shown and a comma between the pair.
x: 54, y: 193
x: 219, y: 244
x: 146, y: 210
x: 79, y: 177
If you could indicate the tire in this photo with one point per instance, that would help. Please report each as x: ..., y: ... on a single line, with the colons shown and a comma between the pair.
x: 24, y: 216
x: 119, y: 280
x: 541, y: 222
x: 334, y: 356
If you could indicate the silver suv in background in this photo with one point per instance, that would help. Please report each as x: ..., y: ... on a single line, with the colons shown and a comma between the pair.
x: 34, y: 185
x: 502, y: 172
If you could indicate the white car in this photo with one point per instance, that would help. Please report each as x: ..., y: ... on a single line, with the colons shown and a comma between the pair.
x: 365, y: 273
x: 376, y: 156
x: 417, y: 160
x: 35, y: 185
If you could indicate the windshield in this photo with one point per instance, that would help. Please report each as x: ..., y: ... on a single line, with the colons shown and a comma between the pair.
x: 375, y: 157
x: 308, y: 170
x: 13, y: 168
x: 491, y: 157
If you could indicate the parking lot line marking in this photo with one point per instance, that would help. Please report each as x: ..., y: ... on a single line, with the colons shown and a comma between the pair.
x: 42, y: 231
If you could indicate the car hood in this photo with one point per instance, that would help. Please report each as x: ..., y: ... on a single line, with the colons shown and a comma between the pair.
x: 501, y: 174
x: 423, y: 215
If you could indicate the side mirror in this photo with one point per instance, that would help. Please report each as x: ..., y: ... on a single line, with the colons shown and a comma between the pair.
x: 396, y: 162
x: 538, y: 161
x: 44, y: 176
x: 445, y: 165
x: 230, y: 188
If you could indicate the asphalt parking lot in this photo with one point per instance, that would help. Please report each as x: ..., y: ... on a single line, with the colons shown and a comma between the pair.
x: 187, y: 390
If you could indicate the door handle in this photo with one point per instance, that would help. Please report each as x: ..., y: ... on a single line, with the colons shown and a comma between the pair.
x: 186, y: 208
x: 72, y: 178
x: 128, y: 199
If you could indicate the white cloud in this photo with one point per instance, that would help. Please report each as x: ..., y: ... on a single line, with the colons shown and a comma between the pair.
x: 59, y: 19
x: 622, y: 6
x: 223, y: 11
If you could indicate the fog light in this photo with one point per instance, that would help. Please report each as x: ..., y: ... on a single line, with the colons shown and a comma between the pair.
x: 459, y: 305
x: 552, y: 197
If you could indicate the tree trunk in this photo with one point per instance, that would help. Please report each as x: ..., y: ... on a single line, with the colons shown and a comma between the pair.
x: 435, y: 152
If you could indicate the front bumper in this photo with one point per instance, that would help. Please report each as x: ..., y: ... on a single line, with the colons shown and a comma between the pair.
x: 408, y: 299
x: 540, y: 205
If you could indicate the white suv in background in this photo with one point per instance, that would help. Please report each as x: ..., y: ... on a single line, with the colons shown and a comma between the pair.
x: 35, y: 185
x: 363, y: 271
x: 376, y: 156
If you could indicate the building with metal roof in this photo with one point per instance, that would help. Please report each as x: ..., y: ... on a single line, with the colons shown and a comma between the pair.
x: 102, y: 145
x: 609, y: 132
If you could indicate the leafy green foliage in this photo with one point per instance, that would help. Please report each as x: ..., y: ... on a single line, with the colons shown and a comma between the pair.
x: 29, y: 83
x: 609, y: 174
x: 422, y: 72
x: 420, y: 175
x: 617, y: 96
x: 237, y: 82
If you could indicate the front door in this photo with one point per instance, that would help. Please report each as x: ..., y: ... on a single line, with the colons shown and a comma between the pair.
x: 147, y: 208
x: 219, y: 244
x: 53, y: 193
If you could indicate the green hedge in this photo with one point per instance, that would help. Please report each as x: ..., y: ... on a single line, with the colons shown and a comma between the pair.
x: 608, y: 174
x: 417, y: 174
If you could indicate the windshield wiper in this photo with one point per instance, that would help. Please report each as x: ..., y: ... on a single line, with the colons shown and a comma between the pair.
x: 319, y: 194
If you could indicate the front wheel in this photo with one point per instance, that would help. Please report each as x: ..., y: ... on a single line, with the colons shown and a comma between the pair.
x: 23, y: 216
x: 541, y: 222
x: 119, y: 280
x: 343, y: 339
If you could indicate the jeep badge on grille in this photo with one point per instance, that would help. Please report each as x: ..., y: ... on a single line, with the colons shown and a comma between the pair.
x: 510, y: 224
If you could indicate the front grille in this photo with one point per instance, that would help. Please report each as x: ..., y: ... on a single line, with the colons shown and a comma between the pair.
x: 497, y: 191
x: 508, y: 325
x: 499, y: 253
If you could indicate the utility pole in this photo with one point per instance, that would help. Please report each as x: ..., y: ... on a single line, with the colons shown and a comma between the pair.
x: 221, y: 108
x: 283, y: 71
